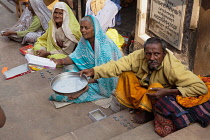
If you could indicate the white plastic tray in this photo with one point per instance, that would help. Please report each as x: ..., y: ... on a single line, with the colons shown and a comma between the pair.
x: 97, y: 115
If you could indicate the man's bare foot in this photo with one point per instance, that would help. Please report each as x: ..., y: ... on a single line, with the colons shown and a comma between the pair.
x: 142, y: 117
x: 133, y: 111
x: 72, y: 97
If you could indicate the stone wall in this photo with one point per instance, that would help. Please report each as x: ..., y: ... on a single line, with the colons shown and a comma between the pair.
x: 187, y: 53
x: 202, y: 56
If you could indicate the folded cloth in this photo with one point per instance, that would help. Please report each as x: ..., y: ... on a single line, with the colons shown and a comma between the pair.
x: 60, y: 104
x: 171, y: 109
x: 201, y: 113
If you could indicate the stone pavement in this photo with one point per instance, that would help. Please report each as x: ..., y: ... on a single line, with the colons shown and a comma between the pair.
x: 30, y: 116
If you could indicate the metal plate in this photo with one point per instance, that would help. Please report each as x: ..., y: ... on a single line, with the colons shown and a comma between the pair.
x: 69, y: 83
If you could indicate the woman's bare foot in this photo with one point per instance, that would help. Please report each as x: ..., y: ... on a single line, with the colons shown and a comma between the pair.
x: 72, y: 97
x: 142, y: 117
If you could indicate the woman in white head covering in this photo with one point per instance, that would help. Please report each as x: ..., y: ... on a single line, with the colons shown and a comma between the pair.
x: 32, y: 23
x: 62, y: 35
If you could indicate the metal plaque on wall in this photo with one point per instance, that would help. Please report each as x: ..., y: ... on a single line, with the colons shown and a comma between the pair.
x: 167, y: 20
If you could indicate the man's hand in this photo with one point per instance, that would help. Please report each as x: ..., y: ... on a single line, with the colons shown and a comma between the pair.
x: 87, y: 72
x: 161, y: 92
x: 42, y: 53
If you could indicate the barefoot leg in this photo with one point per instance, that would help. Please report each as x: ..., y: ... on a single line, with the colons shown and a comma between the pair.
x: 142, y: 117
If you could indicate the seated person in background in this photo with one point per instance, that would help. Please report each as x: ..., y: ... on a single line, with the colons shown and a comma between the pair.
x: 94, y: 49
x: 62, y: 35
x: 104, y: 10
x: 2, y: 118
x: 140, y: 70
x: 118, y: 16
x: 32, y: 23
x: 129, y: 47
x: 48, y: 3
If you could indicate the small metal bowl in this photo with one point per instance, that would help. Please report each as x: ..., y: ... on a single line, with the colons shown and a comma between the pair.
x: 69, y: 83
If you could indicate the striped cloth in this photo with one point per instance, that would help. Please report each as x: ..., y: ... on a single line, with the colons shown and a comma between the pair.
x: 172, y: 110
x: 201, y: 113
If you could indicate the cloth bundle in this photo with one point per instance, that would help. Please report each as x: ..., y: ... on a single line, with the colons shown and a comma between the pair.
x: 163, y: 125
x: 201, y: 113
x: 172, y: 110
x: 170, y: 116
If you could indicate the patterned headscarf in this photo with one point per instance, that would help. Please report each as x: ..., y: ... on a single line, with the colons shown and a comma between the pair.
x: 84, y: 57
x: 42, y: 12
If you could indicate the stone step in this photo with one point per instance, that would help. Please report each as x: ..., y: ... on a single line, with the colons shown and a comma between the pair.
x: 11, y: 8
x: 9, y: 17
x: 142, y: 132
x: 146, y: 132
x: 192, y: 132
x: 104, y: 129
x: 111, y: 128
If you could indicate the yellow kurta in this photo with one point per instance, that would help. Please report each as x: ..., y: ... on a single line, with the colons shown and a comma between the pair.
x: 170, y: 74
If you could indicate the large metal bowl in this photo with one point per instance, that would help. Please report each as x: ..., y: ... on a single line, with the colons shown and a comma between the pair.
x: 69, y: 83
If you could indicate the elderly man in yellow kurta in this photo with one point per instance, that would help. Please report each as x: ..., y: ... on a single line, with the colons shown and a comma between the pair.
x: 149, y: 74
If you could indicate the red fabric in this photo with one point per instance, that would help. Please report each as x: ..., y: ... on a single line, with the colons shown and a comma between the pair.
x: 163, y: 126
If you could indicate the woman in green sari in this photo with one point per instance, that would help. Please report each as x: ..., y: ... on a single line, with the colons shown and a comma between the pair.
x: 62, y: 35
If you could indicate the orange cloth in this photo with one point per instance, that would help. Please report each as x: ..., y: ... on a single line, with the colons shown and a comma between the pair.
x: 193, y: 101
x: 131, y: 94
x: 4, y: 69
